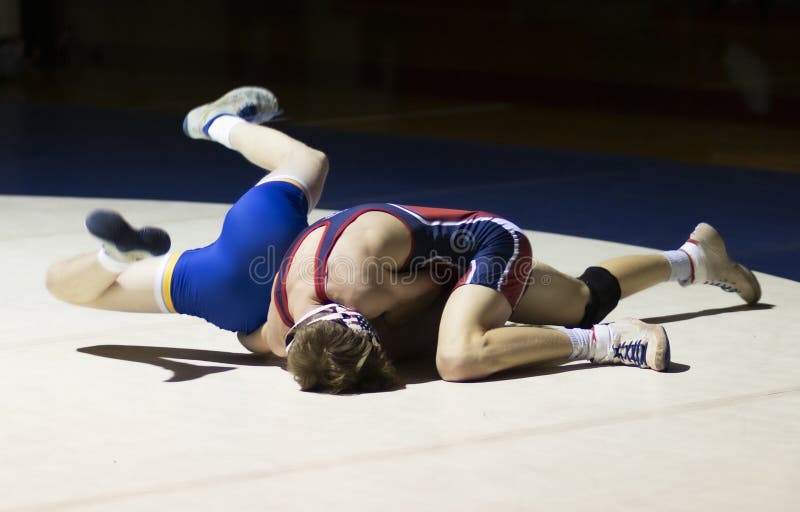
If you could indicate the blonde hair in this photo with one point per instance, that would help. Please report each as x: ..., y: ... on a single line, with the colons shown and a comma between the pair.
x: 328, y: 357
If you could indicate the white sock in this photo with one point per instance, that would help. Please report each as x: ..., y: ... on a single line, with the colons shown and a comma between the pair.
x: 698, y: 259
x: 581, y: 340
x: 110, y: 263
x: 601, y: 343
x: 680, y: 265
x: 220, y: 129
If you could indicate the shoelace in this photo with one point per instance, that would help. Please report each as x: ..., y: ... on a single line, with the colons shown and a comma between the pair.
x: 632, y: 351
x: 724, y: 284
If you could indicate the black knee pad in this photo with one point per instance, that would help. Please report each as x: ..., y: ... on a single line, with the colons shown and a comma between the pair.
x: 604, y: 295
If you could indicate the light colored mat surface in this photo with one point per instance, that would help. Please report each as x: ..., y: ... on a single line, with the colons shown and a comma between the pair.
x: 82, y: 432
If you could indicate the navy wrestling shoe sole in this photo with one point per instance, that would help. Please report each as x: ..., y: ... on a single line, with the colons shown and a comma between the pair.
x: 111, y: 227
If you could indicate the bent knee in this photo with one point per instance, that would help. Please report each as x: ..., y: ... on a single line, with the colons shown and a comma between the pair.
x: 54, y: 282
x: 322, y: 160
x: 462, y: 359
x: 311, y: 157
x: 58, y: 283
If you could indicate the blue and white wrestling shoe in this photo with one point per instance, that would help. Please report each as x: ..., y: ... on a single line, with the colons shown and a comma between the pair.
x: 253, y: 104
x: 633, y: 343
x: 121, y: 241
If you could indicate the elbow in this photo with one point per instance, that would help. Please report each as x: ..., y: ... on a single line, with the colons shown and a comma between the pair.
x: 259, y: 351
x: 463, y: 364
x: 254, y: 342
x: 458, y: 370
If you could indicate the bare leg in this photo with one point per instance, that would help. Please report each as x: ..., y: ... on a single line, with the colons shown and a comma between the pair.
x: 554, y: 298
x: 276, y: 151
x: 474, y: 344
x: 637, y: 273
x: 83, y: 281
x: 267, y: 148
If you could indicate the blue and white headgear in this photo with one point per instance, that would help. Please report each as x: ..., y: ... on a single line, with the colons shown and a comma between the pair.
x: 342, y: 315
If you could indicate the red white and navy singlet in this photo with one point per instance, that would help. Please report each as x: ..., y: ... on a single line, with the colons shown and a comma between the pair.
x: 454, y: 246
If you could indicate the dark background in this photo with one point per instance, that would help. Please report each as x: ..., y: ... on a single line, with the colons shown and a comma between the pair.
x: 627, y: 120
x: 728, y: 66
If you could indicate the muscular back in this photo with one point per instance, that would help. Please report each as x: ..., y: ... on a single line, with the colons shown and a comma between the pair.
x: 361, y: 272
x: 385, y: 260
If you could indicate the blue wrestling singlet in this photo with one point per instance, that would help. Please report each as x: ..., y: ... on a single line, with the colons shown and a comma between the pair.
x: 456, y: 246
x: 228, y: 282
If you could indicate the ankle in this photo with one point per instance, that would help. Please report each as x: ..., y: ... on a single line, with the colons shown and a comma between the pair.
x: 112, y: 263
x: 697, y: 258
x: 602, y: 343
x: 581, y: 340
x: 219, y: 128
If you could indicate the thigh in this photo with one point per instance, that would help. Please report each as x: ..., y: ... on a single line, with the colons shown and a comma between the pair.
x: 265, y: 220
x: 502, y: 261
x: 228, y: 283
x: 552, y: 298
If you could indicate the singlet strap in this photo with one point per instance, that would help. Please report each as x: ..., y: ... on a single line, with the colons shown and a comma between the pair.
x: 279, y: 294
x: 333, y: 228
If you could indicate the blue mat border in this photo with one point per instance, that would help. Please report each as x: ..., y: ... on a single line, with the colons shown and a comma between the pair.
x: 89, y: 152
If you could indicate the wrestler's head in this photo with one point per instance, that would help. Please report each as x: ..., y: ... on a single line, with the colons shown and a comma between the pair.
x: 334, y: 349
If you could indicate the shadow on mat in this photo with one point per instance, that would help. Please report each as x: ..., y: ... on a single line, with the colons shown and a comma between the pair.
x: 706, y: 312
x: 540, y: 370
x: 549, y: 369
x: 419, y: 372
x: 182, y: 372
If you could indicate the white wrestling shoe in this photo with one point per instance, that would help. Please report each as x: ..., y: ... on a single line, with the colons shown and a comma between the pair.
x: 633, y: 343
x: 253, y: 104
x: 713, y: 266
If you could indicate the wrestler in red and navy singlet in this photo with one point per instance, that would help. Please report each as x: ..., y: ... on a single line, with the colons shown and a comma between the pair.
x: 473, y: 246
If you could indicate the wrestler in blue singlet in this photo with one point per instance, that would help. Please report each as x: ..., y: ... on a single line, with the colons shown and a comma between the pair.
x: 228, y: 282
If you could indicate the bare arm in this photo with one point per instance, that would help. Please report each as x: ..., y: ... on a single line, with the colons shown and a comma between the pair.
x: 274, y: 329
x: 412, y: 335
x: 410, y: 297
x: 254, y: 341
x: 271, y: 336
